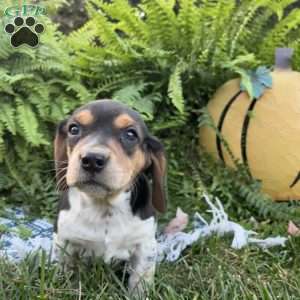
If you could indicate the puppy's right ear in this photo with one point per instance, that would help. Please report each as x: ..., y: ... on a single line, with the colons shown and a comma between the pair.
x: 158, y: 170
x: 60, y: 155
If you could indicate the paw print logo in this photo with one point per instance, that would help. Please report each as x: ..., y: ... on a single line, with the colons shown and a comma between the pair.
x: 24, y: 31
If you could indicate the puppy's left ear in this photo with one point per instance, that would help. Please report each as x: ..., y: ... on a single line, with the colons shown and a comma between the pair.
x: 60, y: 154
x: 157, y: 168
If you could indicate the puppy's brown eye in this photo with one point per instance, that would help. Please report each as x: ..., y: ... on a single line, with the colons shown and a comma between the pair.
x: 74, y: 129
x: 131, y: 134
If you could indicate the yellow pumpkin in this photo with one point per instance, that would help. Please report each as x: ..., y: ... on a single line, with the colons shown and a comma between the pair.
x: 262, y: 133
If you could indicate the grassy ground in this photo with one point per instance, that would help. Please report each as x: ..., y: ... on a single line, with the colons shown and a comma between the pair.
x: 209, y: 270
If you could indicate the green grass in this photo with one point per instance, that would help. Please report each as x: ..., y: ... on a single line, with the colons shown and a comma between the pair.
x: 209, y: 270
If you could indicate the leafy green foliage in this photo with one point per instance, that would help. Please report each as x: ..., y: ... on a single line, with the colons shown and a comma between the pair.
x: 180, y: 51
x: 38, y: 87
x: 175, y: 90
x: 131, y: 95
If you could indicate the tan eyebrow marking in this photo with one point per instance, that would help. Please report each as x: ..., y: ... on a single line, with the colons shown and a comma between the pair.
x: 84, y: 117
x: 123, y: 121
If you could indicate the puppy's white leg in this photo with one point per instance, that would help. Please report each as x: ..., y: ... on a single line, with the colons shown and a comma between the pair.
x: 142, y: 267
x: 64, y: 252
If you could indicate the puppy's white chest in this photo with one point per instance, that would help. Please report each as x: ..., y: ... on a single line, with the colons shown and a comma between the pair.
x: 107, y: 231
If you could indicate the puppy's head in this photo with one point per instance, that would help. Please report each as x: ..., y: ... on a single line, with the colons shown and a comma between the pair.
x: 103, y: 147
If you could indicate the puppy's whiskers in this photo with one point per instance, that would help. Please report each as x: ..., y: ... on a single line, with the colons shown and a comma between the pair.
x: 61, y: 184
x: 58, y: 161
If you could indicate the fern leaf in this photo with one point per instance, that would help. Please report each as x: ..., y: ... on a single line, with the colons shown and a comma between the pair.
x: 7, y: 116
x: 129, y: 18
x: 29, y: 124
x: 2, y: 144
x: 175, y: 89
x: 278, y: 36
x: 160, y: 14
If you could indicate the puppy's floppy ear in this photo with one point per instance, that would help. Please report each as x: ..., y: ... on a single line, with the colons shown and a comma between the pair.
x: 157, y: 168
x: 60, y: 154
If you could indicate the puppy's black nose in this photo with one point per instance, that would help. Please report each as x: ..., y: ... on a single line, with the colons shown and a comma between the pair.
x: 93, y: 162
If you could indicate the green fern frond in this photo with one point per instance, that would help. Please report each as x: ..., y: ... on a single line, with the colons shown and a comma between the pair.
x: 110, y: 84
x: 248, y: 13
x: 88, y: 30
x: 296, y: 56
x: 5, y: 50
x: 105, y: 29
x: 7, y: 116
x: 40, y: 100
x: 187, y: 20
x: 129, y: 19
x: 2, y: 144
x: 29, y: 124
x: 160, y: 14
x: 175, y: 91
x: 279, y: 35
x: 133, y: 96
x: 130, y: 93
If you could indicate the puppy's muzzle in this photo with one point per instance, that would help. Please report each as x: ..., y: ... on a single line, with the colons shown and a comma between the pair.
x: 94, y: 162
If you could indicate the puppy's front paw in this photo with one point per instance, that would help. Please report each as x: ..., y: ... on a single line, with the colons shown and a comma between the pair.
x: 139, y: 286
x: 139, y: 290
x: 65, y: 254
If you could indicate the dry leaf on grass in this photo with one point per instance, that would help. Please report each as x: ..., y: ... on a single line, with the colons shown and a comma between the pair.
x: 178, y: 223
x: 293, y: 229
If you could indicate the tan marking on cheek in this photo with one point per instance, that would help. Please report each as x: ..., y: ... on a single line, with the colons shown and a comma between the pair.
x: 132, y: 165
x: 74, y: 161
x: 139, y: 161
x: 68, y: 151
x: 121, y: 159
x: 74, y: 165
x: 84, y: 117
x: 123, y: 121
x: 119, y: 153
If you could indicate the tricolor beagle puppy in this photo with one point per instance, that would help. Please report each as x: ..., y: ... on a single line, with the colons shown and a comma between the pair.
x: 105, y: 159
